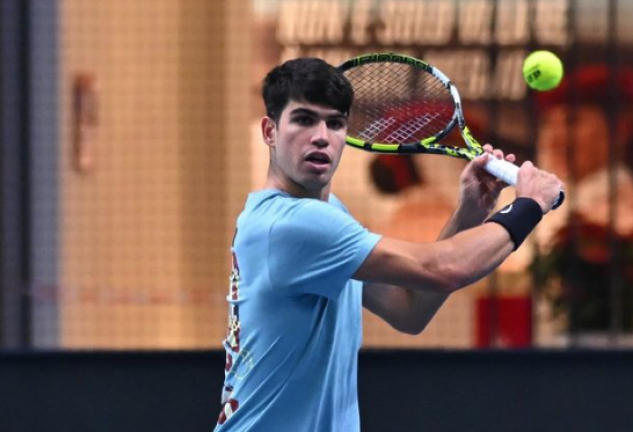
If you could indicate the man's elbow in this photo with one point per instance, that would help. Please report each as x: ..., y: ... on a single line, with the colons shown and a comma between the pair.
x: 413, y: 323
x: 410, y: 328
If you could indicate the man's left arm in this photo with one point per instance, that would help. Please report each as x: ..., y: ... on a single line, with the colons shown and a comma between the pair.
x: 411, y: 311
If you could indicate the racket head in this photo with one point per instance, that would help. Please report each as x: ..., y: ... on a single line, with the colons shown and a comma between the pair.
x: 404, y: 105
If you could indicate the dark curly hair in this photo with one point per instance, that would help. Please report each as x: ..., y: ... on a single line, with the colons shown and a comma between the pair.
x: 306, y: 80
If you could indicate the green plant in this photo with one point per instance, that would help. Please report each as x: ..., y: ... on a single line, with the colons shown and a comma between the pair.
x: 577, y: 274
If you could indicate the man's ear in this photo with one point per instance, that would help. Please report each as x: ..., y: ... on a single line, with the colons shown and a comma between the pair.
x: 269, y: 131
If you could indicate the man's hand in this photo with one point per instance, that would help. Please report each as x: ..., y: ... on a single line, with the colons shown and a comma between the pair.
x: 479, y: 190
x: 541, y: 186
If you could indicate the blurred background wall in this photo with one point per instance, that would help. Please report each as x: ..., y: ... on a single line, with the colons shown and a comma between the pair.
x: 150, y: 114
x: 146, y: 222
x: 131, y: 138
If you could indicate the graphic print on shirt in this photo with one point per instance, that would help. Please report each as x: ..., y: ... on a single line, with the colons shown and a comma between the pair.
x: 234, y: 327
x: 232, y: 342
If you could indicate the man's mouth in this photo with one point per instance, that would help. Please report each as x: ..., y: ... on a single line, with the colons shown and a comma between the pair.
x: 318, y: 158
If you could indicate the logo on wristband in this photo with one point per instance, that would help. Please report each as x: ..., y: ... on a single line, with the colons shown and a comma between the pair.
x: 506, y: 210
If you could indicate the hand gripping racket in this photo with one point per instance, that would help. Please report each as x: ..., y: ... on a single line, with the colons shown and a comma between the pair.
x: 403, y: 105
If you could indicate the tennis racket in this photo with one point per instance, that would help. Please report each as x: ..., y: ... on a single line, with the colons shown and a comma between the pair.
x: 403, y: 105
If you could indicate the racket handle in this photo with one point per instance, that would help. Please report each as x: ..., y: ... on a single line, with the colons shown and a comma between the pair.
x: 508, y: 172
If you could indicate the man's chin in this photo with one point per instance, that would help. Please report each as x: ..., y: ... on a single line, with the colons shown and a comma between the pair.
x: 317, y: 184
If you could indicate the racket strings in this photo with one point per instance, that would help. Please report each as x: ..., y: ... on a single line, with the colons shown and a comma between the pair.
x: 374, y: 129
x: 396, y: 104
x: 408, y: 131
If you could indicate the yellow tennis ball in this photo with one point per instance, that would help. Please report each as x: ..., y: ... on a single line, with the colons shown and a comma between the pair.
x: 542, y: 70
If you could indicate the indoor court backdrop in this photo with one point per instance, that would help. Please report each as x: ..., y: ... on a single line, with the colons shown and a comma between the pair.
x: 129, y: 133
x: 130, y: 140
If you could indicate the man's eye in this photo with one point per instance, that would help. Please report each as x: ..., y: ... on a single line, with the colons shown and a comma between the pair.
x: 304, y: 120
x: 336, y: 124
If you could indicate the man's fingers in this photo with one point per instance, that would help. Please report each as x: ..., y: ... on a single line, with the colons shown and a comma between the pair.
x: 498, y: 153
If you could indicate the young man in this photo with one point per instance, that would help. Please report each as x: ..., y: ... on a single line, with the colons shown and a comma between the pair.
x: 303, y: 266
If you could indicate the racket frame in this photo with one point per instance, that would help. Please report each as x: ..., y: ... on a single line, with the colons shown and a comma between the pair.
x: 427, y: 145
x: 502, y: 169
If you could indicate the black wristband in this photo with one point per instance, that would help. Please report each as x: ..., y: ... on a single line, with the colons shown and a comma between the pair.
x: 519, y: 219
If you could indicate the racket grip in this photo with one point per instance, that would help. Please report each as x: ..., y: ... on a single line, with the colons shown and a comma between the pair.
x: 508, y: 172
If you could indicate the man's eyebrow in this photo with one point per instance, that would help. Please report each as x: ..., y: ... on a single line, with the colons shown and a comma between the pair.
x: 307, y: 111
x: 304, y: 111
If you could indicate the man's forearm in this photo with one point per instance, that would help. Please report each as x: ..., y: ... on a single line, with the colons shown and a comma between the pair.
x: 459, y: 221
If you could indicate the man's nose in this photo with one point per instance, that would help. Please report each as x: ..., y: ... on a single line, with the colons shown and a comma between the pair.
x: 320, y: 135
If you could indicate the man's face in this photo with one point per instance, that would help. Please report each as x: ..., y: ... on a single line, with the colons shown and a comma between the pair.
x: 306, y: 146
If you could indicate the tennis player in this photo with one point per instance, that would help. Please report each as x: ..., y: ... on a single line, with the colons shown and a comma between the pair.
x: 303, y: 267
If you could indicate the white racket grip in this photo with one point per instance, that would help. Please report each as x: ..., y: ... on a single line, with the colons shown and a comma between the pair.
x: 502, y: 169
x: 508, y: 172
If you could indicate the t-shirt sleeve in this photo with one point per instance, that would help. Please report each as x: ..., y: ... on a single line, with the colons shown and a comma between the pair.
x: 316, y: 248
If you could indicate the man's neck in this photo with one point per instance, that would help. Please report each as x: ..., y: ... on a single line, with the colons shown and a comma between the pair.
x: 296, y: 190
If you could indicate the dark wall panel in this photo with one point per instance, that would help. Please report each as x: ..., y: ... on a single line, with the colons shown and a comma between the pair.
x: 399, y: 391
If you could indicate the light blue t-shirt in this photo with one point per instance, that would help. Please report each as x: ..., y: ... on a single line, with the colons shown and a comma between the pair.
x: 295, y: 322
